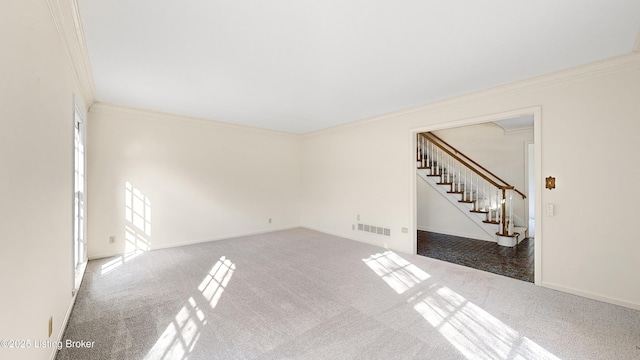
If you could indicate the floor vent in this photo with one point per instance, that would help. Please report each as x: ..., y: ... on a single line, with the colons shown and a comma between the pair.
x: 374, y: 229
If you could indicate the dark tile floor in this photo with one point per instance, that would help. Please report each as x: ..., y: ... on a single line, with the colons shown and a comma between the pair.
x: 515, y: 262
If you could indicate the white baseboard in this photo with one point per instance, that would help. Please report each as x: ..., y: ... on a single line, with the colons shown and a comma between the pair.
x: 591, y: 295
x: 347, y: 237
x: 221, y: 237
x: 453, y: 233
x: 64, y: 324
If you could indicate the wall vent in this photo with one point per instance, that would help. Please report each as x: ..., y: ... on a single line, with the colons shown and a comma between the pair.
x: 374, y: 229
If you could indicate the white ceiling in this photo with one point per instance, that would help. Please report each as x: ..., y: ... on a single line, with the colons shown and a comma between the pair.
x: 301, y: 65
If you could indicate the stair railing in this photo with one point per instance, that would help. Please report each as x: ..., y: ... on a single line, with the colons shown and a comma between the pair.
x: 485, y: 191
x: 458, y: 152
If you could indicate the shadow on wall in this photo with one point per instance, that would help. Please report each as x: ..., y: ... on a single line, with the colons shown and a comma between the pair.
x: 137, y: 229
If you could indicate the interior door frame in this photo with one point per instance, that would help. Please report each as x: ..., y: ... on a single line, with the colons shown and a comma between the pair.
x: 536, y: 112
x: 528, y: 184
x: 78, y: 235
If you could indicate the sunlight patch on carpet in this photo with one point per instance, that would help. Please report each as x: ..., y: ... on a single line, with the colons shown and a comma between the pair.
x: 397, y: 272
x: 181, y: 335
x: 473, y: 331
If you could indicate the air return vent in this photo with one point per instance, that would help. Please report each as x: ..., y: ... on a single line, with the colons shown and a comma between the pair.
x: 374, y: 229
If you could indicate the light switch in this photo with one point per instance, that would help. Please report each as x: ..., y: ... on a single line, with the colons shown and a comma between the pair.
x: 551, y: 209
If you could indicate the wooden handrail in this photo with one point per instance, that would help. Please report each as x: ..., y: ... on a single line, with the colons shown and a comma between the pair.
x: 471, y: 160
x: 466, y: 164
x: 428, y: 136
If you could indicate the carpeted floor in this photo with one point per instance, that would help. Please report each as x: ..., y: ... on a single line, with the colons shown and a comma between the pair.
x: 301, y: 294
x: 515, y: 262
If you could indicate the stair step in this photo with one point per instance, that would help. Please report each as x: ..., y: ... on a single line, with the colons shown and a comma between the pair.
x: 491, y: 222
x: 515, y: 234
x: 455, y: 192
x: 467, y: 201
x: 444, y: 183
x: 480, y: 211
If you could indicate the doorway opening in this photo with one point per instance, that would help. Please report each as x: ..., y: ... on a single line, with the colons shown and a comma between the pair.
x: 447, y: 230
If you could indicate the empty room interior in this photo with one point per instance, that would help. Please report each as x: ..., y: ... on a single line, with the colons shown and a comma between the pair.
x: 256, y: 180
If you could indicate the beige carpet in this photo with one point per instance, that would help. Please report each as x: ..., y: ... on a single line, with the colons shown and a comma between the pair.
x: 301, y: 294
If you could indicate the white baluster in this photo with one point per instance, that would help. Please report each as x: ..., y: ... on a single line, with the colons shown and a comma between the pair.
x: 464, y: 192
x: 432, y: 159
x: 422, y: 151
x: 428, y: 152
x: 466, y: 188
x: 490, y: 204
x: 471, y: 186
x: 484, y: 196
x: 433, y: 155
x: 459, y: 177
x: 510, y: 212
x: 500, y: 216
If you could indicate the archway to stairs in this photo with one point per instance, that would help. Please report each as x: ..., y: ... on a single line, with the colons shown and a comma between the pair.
x: 448, y: 231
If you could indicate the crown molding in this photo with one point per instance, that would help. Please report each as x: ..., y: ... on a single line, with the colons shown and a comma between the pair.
x: 66, y: 17
x: 518, y: 131
x: 619, y: 64
x: 100, y: 107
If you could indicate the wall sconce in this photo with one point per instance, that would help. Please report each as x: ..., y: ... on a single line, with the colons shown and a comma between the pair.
x: 550, y: 183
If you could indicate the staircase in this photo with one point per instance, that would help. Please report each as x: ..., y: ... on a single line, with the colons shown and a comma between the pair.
x: 482, y: 196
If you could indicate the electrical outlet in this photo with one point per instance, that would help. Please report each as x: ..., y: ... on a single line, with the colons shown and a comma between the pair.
x: 50, y: 325
x: 405, y: 230
x: 112, y: 239
x: 269, y: 220
x: 358, y: 217
x: 353, y: 227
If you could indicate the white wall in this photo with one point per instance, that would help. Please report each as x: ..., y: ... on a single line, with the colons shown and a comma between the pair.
x: 437, y: 214
x: 204, y: 180
x: 589, y: 125
x: 502, y: 154
x: 36, y: 187
x: 487, y: 144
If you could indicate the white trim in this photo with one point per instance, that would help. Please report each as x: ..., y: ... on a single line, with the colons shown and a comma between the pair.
x: 360, y: 240
x: 217, y: 238
x: 527, y: 184
x: 81, y: 119
x: 591, y: 295
x: 66, y: 17
x: 413, y: 191
x: 517, y: 131
x: 106, y: 108
x: 458, y: 234
x: 536, y: 111
x: 628, y: 62
x: 636, y: 45
x: 537, y: 241
x: 63, y: 327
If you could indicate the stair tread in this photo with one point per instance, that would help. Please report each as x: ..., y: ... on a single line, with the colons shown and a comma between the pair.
x: 515, y: 234
x: 467, y: 201
x: 480, y: 211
